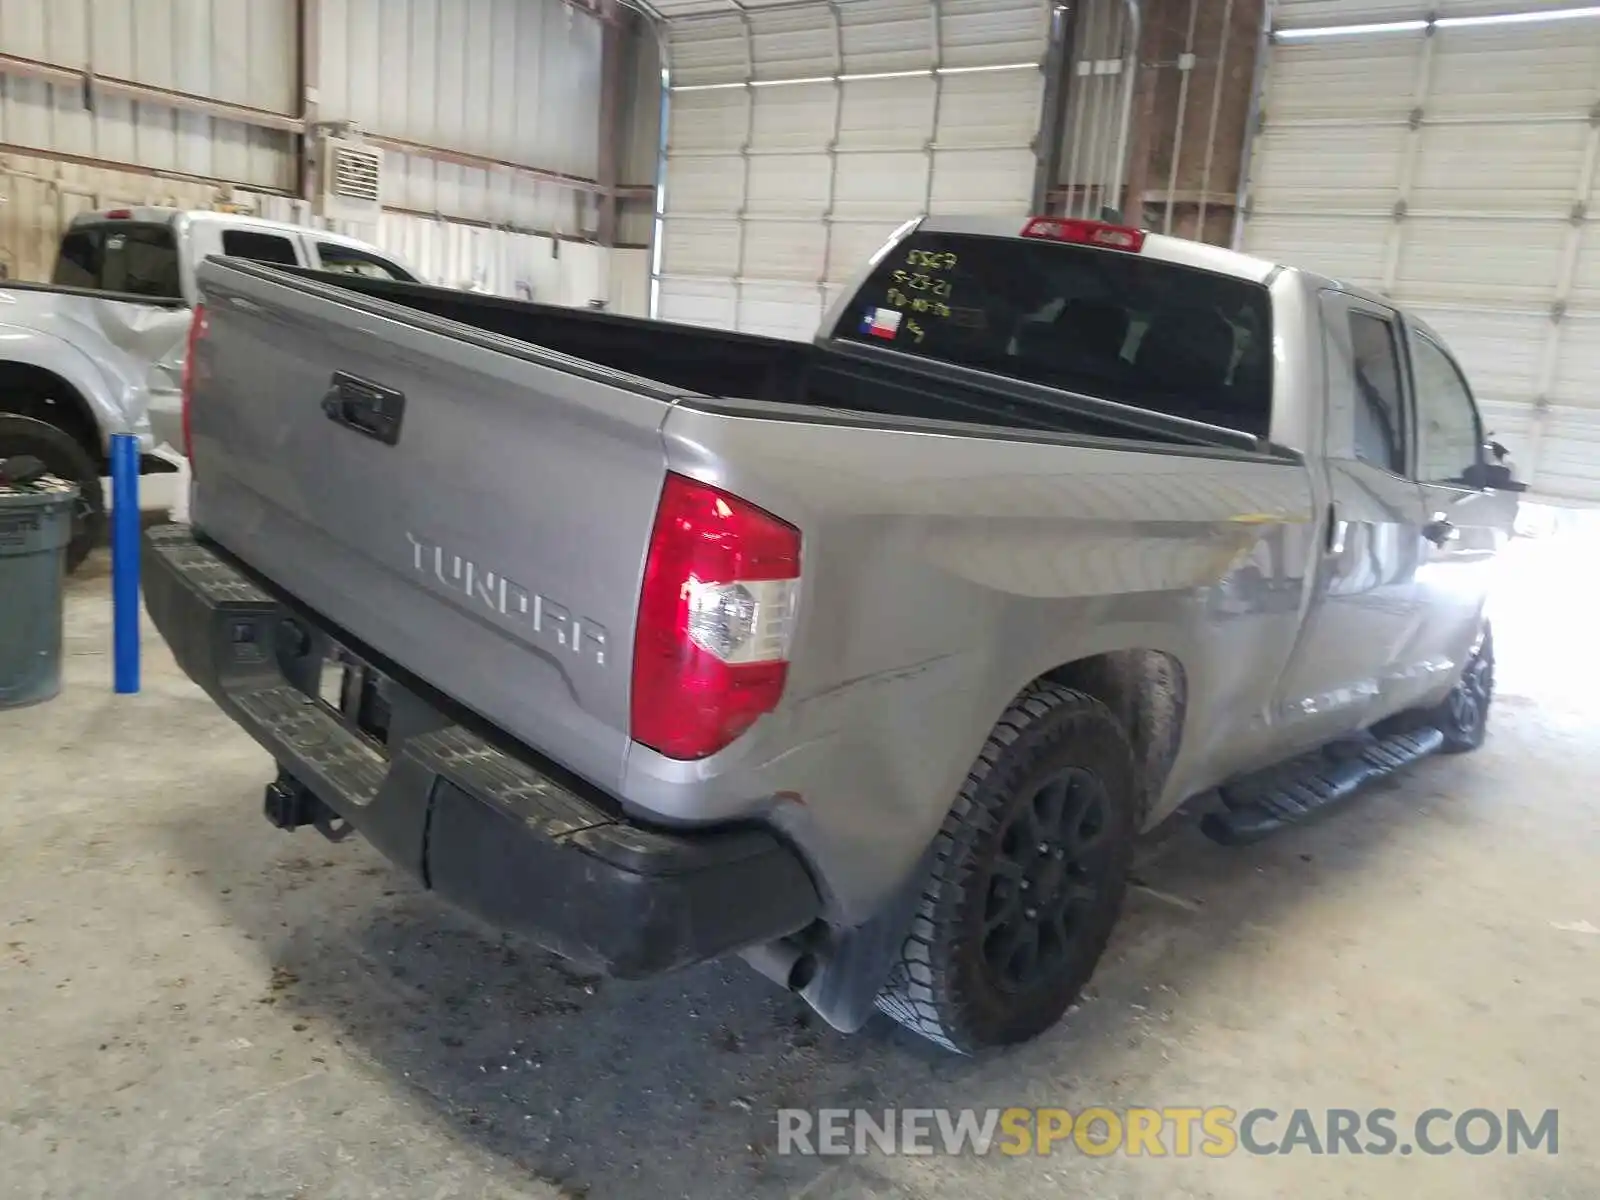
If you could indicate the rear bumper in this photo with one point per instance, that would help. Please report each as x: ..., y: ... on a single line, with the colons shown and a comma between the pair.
x: 490, y: 830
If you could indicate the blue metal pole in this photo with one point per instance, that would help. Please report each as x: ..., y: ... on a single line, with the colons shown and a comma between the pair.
x: 125, y: 562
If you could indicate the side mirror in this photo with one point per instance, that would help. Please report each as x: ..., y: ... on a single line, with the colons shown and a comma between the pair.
x: 1498, y: 450
x: 1494, y: 475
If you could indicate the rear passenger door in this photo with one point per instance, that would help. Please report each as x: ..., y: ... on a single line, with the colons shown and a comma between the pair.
x: 1465, y: 524
x: 1352, y: 662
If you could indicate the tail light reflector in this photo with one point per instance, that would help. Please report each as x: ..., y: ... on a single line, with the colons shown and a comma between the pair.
x: 1085, y: 233
x: 199, y: 326
x: 710, y: 654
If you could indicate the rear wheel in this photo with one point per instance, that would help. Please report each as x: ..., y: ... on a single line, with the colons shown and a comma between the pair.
x: 62, y: 455
x: 1031, y: 866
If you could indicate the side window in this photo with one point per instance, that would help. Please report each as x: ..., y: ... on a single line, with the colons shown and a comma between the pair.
x: 357, y: 262
x: 259, y: 247
x: 1379, y: 426
x: 1448, y: 439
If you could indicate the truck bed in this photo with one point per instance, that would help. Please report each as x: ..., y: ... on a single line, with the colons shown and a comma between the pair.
x: 742, y: 366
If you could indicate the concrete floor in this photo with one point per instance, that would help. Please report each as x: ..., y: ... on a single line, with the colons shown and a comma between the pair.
x: 198, y: 1005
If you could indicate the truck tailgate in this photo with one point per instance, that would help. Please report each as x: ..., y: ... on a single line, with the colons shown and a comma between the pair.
x: 452, y: 499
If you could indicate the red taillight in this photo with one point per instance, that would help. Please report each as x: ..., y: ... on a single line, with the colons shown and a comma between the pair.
x: 1085, y: 233
x: 120, y: 214
x: 711, y: 651
x: 199, y: 326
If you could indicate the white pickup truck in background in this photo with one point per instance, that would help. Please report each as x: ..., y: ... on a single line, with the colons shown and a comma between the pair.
x: 99, y: 350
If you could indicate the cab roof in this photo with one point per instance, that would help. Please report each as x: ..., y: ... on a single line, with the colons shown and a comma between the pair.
x: 1207, y: 257
x: 1183, y: 251
x: 152, y: 214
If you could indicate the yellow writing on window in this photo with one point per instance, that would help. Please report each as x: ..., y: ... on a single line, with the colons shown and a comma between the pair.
x: 917, y: 281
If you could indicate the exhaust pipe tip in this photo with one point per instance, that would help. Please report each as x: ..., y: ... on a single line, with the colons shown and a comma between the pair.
x: 786, y: 965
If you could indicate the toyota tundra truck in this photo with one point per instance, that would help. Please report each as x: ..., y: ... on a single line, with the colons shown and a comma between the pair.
x: 864, y: 659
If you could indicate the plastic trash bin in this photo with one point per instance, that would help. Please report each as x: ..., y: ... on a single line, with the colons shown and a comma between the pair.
x: 35, y: 527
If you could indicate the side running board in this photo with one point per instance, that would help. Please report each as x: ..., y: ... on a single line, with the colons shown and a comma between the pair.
x: 1264, y: 803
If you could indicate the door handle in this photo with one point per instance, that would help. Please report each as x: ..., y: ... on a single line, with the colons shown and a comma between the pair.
x: 366, y: 407
x: 1440, y: 530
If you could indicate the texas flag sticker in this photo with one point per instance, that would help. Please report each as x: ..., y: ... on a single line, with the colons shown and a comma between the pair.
x: 881, y: 322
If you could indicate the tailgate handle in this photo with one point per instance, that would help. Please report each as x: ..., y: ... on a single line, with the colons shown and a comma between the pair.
x: 364, y: 406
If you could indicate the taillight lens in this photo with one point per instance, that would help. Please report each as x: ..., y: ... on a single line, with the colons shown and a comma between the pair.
x: 199, y: 326
x: 715, y: 615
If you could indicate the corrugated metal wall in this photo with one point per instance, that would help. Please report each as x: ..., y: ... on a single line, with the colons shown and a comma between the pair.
x: 513, y: 80
x: 229, y: 50
x: 236, y: 50
x: 425, y: 185
x: 474, y: 257
x: 38, y: 196
x: 498, y: 260
x: 516, y: 81
x: 509, y: 79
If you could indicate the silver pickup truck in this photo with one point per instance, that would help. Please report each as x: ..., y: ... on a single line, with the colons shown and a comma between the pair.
x: 864, y: 659
x: 99, y: 350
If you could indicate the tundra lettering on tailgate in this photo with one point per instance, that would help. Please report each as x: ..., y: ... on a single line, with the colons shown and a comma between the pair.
x: 508, y: 599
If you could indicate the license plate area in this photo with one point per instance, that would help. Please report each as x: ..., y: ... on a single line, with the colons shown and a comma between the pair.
x: 357, y: 693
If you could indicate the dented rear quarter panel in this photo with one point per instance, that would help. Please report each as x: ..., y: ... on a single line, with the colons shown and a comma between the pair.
x: 945, y: 571
x: 121, y: 354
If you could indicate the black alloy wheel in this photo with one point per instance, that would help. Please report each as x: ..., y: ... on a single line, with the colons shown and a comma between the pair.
x: 1051, y: 867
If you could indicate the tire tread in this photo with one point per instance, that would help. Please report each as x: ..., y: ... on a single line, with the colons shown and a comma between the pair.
x: 920, y: 992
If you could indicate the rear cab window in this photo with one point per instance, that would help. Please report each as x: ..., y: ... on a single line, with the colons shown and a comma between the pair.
x: 133, y: 257
x: 1110, y: 324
